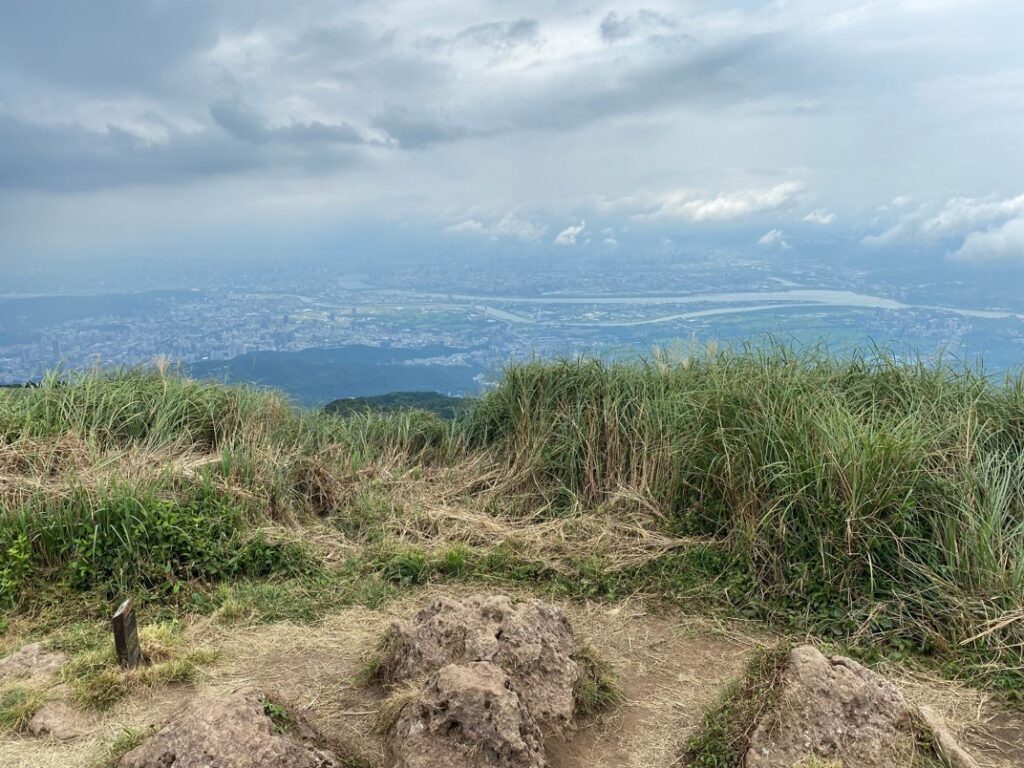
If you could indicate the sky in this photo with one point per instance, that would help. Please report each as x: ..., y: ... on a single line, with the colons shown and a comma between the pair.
x: 134, y: 129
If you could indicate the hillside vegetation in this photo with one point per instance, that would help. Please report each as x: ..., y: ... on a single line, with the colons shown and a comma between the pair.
x: 432, y: 402
x: 876, y: 504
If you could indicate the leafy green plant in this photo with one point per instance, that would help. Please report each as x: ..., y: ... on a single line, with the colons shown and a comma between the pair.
x: 406, y: 567
x: 15, y: 569
x: 119, y: 539
x: 278, y: 715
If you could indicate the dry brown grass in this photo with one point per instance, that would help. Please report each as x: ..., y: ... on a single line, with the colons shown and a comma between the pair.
x: 435, y: 508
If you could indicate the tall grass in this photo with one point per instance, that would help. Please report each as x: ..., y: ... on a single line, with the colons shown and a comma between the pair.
x: 136, y: 479
x: 882, y: 497
x: 858, y: 496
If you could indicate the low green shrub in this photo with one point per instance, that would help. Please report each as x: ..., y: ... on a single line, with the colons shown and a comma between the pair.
x: 122, y: 538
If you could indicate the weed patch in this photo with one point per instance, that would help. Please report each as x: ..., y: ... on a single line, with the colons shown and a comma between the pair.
x: 278, y: 714
x: 124, y: 742
x: 17, y: 707
x: 599, y: 688
x: 98, y: 682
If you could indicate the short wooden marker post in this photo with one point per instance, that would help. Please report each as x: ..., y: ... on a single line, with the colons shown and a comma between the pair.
x: 126, y: 635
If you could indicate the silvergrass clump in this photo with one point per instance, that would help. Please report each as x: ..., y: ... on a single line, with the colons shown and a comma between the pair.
x: 862, y: 497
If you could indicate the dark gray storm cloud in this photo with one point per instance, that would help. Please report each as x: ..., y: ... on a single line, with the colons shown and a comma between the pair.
x: 750, y: 68
x: 243, y: 122
x: 499, y: 34
x: 108, y: 46
x: 69, y: 158
x: 615, y: 27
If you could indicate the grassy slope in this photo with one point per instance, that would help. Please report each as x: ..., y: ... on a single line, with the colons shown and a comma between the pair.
x: 872, y: 503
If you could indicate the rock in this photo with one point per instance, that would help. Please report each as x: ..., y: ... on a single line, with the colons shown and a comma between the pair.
x: 229, y: 731
x: 30, y: 661
x: 531, y: 641
x: 835, y: 709
x: 467, y: 716
x: 57, y: 720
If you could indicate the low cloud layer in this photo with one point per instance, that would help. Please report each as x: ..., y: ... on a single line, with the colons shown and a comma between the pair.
x: 1003, y: 243
x: 509, y: 225
x: 989, y: 229
x: 821, y: 216
x: 774, y: 238
x: 725, y: 206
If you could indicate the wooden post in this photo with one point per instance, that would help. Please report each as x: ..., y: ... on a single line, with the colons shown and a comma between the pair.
x: 126, y: 635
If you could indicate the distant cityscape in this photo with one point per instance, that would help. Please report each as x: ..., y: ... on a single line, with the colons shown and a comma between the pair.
x: 452, y: 326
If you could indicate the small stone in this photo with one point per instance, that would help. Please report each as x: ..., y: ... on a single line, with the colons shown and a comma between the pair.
x: 57, y: 720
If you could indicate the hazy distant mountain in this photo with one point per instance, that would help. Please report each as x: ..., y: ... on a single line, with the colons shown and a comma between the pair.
x: 314, y: 377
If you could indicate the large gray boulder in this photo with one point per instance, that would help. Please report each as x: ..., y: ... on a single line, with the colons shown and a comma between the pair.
x: 837, y: 710
x: 532, y: 642
x: 466, y: 716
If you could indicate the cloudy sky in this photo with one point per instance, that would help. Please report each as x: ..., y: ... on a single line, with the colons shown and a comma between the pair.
x: 135, y: 127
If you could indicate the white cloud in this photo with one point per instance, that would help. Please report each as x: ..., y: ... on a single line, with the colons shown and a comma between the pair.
x: 726, y: 206
x: 821, y: 216
x: 611, y: 241
x: 568, y: 235
x: 902, y: 201
x: 509, y: 226
x: 962, y: 213
x: 1004, y: 243
x: 774, y: 238
x: 513, y: 226
x: 957, y: 217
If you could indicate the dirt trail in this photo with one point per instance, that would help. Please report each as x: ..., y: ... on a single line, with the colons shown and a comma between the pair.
x: 673, y: 669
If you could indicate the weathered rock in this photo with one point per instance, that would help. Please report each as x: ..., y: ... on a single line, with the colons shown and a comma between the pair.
x: 837, y: 710
x: 31, y: 661
x: 531, y: 641
x: 229, y: 731
x: 467, y: 716
x: 58, y: 720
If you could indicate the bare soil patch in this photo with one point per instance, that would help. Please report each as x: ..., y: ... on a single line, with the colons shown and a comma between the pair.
x: 673, y: 668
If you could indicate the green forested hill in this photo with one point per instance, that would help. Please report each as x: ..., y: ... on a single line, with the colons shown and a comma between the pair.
x: 441, y: 405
